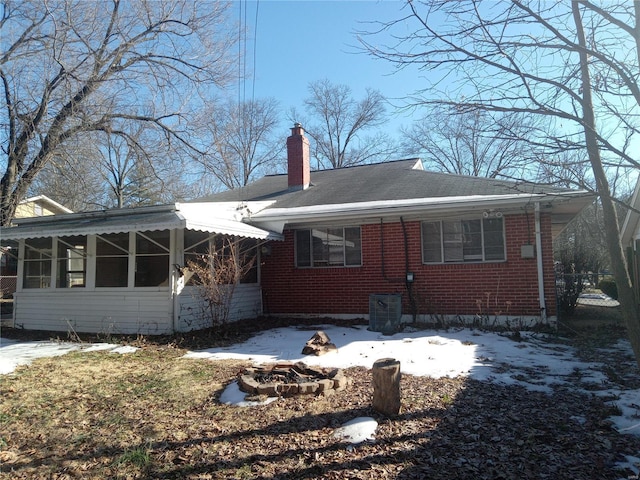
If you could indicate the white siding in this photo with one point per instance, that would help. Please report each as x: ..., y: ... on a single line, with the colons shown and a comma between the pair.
x: 192, y: 314
x: 106, y: 312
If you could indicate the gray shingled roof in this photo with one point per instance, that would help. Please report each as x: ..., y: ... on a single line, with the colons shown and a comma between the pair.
x: 397, y: 180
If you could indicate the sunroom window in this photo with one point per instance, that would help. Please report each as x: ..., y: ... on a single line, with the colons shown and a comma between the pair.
x: 72, y: 261
x: 328, y: 247
x: 475, y: 240
x: 37, y: 263
x: 112, y: 260
x: 152, y: 259
x: 199, y: 246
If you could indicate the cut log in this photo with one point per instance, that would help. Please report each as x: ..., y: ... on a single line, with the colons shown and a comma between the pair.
x: 386, y: 386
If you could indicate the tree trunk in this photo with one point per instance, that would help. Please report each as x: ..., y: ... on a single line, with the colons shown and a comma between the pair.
x: 626, y: 294
x: 386, y: 386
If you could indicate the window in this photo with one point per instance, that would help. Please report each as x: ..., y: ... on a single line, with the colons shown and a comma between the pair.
x: 72, y: 261
x: 328, y: 247
x: 463, y: 241
x: 9, y: 258
x: 196, y: 245
x: 37, y: 263
x: 199, y: 246
x: 112, y: 260
x: 152, y: 259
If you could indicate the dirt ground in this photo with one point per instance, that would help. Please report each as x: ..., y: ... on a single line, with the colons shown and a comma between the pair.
x: 154, y: 414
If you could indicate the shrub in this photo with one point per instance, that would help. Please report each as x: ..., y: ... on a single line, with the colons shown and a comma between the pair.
x: 608, y: 287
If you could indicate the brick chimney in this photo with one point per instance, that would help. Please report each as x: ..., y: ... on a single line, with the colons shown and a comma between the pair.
x: 298, y: 164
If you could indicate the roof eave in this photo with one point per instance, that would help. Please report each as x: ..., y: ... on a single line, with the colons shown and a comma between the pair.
x: 276, y: 218
x: 165, y: 217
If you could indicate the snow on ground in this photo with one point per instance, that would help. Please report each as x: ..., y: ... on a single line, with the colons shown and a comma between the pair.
x: 482, y: 356
x: 13, y: 353
x: 534, y: 362
x: 357, y: 430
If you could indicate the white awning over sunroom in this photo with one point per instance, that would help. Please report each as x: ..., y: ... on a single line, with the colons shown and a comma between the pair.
x: 220, y: 218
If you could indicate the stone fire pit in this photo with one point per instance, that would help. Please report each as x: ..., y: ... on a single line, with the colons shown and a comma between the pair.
x: 287, y: 379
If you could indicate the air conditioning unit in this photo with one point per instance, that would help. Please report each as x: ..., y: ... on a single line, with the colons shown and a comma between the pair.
x: 385, y: 311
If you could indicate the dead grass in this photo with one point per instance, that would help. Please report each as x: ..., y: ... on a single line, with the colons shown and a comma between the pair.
x: 153, y: 414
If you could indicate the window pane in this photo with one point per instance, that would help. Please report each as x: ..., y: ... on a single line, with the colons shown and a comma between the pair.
x: 37, y: 248
x: 335, y: 246
x: 196, y: 249
x: 112, y: 271
x: 431, y: 242
x: 472, y: 240
x: 196, y: 243
x: 452, y: 241
x: 152, y: 271
x: 112, y: 260
x: 148, y: 243
x: 152, y: 259
x: 248, y: 258
x: 493, y: 239
x: 353, y: 246
x: 112, y: 244
x: 303, y: 251
x: 37, y: 263
x: 72, y: 262
x: 9, y: 258
x: 320, y: 250
x: 322, y: 247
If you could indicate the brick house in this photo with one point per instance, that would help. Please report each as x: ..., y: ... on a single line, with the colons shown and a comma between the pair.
x: 446, y: 247
x: 387, y: 242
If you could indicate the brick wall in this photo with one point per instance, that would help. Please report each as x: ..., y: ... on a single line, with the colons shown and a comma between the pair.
x: 505, y: 288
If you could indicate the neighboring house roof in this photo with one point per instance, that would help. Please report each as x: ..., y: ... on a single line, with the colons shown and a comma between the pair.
x: 48, y: 206
x: 222, y: 218
x: 400, y: 187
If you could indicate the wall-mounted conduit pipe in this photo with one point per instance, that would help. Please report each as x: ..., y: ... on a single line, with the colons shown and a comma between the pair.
x: 408, y: 284
x: 543, y: 305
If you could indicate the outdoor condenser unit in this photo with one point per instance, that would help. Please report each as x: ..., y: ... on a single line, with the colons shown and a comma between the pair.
x: 385, y: 311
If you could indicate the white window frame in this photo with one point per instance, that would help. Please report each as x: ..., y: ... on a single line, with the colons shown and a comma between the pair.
x: 91, y: 257
x: 312, y: 261
x: 459, y: 241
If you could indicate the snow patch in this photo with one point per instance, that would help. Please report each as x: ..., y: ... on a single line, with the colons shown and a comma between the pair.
x: 358, y: 430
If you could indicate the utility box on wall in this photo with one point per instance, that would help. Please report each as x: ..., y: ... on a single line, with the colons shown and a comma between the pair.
x: 385, y: 311
x: 528, y: 251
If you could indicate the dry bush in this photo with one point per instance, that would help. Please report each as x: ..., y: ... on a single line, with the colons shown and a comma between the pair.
x: 216, y: 275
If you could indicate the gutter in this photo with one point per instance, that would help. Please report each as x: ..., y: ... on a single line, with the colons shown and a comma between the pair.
x: 542, y: 303
x: 275, y: 219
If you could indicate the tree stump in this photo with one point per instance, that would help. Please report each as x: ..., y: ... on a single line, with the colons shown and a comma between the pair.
x: 386, y: 386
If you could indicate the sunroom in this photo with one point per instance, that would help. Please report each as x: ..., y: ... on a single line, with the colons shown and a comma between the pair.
x: 125, y: 271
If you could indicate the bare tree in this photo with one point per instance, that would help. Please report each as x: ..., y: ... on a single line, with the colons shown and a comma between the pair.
x: 72, y: 177
x: 582, y: 243
x: 217, y: 274
x: 469, y: 143
x: 69, y: 67
x: 241, y: 140
x: 574, y: 63
x: 135, y: 171
x: 338, y: 125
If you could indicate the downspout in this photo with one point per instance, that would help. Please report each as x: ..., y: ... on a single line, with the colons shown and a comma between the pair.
x: 543, y: 306
x: 408, y: 284
x: 177, y: 269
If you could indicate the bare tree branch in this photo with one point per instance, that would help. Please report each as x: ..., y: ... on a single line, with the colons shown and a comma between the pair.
x: 71, y: 67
